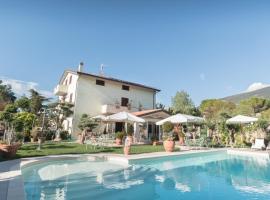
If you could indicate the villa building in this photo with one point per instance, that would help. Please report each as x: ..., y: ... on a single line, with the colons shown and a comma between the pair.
x: 101, y: 95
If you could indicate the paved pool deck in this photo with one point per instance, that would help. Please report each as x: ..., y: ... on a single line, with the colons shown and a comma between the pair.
x: 11, y: 180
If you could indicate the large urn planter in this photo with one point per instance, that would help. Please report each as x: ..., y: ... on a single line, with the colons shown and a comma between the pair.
x: 169, y: 145
x: 9, y: 151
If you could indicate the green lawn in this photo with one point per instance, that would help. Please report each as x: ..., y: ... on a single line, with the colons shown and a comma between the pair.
x: 53, y: 148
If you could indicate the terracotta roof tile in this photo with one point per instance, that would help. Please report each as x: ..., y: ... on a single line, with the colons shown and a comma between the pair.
x: 144, y: 112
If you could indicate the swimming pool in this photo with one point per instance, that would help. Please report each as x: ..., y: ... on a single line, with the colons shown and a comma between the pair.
x: 215, y: 175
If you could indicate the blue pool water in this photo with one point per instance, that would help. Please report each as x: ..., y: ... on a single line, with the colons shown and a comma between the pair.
x: 199, y: 176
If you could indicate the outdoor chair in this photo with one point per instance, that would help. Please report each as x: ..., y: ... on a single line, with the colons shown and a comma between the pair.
x: 93, y: 141
x: 259, y: 144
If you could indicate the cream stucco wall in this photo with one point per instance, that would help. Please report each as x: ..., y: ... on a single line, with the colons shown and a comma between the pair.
x: 71, y: 89
x: 90, y: 97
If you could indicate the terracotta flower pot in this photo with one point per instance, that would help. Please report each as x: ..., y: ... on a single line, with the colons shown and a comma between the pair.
x: 169, y: 145
x: 9, y: 151
x: 118, y: 141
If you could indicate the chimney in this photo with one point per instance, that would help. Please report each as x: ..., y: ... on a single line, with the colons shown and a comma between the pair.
x: 80, y: 67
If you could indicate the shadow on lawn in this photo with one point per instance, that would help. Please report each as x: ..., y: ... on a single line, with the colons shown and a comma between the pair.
x: 56, y: 146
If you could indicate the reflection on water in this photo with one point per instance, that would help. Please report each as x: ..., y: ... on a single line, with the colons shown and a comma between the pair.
x: 217, y: 176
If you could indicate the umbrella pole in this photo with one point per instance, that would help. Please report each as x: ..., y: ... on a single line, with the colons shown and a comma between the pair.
x: 107, y: 127
x: 126, y: 126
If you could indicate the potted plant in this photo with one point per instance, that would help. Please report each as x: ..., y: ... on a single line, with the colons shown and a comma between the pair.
x: 154, y: 140
x: 9, y: 150
x: 168, y: 137
x: 119, y: 137
x: 9, y: 147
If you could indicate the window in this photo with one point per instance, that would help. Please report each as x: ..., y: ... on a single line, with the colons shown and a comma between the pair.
x: 100, y: 82
x: 125, y: 87
x: 124, y: 101
x: 70, y: 79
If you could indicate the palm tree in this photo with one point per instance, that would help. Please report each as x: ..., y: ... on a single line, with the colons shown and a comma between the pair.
x: 36, y: 101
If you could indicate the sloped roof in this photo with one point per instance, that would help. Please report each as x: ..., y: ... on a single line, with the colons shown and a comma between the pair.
x: 148, y: 112
x: 119, y: 80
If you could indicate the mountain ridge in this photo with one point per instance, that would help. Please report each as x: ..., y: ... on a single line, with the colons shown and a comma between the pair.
x: 263, y: 93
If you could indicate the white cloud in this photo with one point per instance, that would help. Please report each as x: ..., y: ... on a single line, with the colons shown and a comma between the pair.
x: 22, y: 87
x: 256, y: 86
x: 202, y: 76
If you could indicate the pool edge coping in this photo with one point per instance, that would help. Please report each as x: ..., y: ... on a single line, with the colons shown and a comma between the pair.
x: 16, y: 184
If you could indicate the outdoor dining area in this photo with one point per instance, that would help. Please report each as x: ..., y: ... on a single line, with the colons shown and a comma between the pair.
x: 113, y: 129
x: 179, y: 129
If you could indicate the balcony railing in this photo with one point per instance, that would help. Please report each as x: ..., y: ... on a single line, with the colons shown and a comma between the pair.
x: 111, y: 109
x: 60, y: 90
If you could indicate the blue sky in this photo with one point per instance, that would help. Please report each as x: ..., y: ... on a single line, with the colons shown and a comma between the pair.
x: 210, y: 49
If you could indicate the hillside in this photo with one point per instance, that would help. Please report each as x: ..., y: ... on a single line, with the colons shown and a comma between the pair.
x: 263, y: 93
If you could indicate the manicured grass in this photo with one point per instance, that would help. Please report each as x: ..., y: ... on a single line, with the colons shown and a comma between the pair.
x: 57, y: 148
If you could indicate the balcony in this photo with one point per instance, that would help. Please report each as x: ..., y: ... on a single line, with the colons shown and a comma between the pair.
x: 111, y: 109
x: 61, y: 90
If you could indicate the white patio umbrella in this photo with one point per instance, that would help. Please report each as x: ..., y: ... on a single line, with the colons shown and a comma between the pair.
x: 181, y: 119
x: 125, y: 117
x: 241, y: 119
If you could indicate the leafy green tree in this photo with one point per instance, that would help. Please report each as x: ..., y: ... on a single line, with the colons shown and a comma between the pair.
x: 253, y: 106
x: 23, y: 104
x: 58, y: 113
x: 215, y: 109
x: 23, y: 121
x: 265, y: 115
x: 182, y: 103
x: 244, y: 109
x: 7, y: 115
x: 36, y: 101
x: 6, y: 95
x: 86, y: 122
